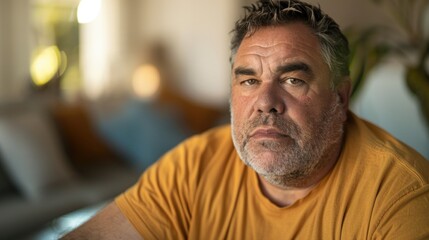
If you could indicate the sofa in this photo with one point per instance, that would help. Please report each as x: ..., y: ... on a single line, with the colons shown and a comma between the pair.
x: 57, y: 157
x: 52, y: 162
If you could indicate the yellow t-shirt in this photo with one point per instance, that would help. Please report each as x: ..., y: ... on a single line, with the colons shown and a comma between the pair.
x: 201, y: 190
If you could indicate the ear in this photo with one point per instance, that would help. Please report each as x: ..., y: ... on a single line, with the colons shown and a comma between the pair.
x: 344, y: 90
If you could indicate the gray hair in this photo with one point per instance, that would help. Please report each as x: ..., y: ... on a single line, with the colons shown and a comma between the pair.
x: 334, y: 45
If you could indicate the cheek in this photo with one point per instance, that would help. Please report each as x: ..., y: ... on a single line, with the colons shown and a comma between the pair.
x: 314, y: 111
x: 305, y: 111
x: 240, y: 107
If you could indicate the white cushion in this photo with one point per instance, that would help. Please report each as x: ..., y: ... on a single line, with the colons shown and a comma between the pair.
x: 32, y: 154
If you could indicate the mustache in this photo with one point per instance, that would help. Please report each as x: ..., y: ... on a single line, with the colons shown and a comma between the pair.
x: 285, y: 126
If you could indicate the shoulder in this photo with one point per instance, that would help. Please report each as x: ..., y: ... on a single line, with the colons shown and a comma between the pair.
x: 380, y: 149
x: 198, y: 151
x: 207, y: 143
x: 384, y: 147
x: 389, y: 178
x: 214, y: 136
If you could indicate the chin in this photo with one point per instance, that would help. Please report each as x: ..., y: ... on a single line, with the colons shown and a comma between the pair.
x: 266, y: 163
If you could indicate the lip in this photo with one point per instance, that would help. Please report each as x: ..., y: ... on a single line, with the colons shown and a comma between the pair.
x: 267, y: 133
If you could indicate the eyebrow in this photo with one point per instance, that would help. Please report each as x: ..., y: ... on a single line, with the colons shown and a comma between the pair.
x: 289, y: 67
x: 244, y: 71
x: 292, y: 67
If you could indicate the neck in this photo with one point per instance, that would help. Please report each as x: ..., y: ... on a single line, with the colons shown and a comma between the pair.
x: 283, y: 197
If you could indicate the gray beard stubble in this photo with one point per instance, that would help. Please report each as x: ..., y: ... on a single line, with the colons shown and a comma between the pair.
x: 303, y: 157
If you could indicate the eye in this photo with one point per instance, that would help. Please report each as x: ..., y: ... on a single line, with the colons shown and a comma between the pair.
x: 249, y: 82
x: 294, y: 81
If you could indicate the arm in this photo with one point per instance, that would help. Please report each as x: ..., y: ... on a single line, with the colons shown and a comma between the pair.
x: 109, y: 223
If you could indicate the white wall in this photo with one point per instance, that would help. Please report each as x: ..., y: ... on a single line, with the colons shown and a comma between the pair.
x: 197, y: 32
x: 14, y: 49
x: 102, y: 58
x: 352, y: 12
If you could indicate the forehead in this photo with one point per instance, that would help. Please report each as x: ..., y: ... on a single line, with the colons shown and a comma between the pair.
x: 292, y: 41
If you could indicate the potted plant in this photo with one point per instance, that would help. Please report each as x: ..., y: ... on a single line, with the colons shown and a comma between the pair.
x: 407, y: 38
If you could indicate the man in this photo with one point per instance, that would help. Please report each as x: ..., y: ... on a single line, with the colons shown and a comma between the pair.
x: 299, y: 164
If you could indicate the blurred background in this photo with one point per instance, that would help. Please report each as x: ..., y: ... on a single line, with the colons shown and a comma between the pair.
x: 93, y: 91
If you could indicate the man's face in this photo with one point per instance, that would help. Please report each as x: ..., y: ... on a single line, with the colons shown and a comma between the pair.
x: 285, y: 115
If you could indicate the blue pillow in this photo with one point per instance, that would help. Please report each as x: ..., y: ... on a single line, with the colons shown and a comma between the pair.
x: 142, y: 131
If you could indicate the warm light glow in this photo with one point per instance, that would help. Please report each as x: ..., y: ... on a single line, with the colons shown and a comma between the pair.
x: 146, y: 81
x: 88, y: 10
x: 45, y: 65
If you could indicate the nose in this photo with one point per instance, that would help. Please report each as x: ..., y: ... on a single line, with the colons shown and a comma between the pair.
x: 270, y: 99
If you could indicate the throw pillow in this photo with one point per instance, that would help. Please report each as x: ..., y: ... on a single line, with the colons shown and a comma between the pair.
x: 32, y: 154
x: 142, y: 132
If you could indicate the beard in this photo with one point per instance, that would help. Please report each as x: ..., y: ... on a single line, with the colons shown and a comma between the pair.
x: 292, y: 160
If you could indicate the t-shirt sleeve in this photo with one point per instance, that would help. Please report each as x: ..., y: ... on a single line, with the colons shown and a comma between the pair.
x: 407, y: 218
x: 159, y: 204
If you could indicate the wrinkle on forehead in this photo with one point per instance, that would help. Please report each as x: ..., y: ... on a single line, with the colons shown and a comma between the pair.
x: 284, y: 37
x: 276, y: 55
